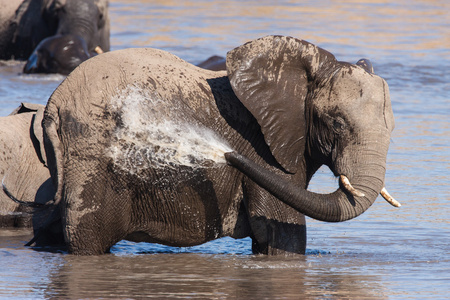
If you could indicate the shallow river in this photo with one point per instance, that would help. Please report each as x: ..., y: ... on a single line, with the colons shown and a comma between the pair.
x: 387, y: 253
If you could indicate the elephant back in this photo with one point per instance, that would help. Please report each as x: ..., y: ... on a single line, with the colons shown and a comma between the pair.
x: 91, y: 91
x: 114, y: 100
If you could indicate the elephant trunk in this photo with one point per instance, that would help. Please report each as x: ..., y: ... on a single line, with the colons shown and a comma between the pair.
x: 343, y: 204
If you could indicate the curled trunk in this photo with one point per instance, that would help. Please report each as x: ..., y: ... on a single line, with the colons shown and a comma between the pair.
x: 338, y: 206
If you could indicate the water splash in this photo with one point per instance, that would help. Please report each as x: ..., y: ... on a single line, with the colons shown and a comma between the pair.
x: 154, y: 135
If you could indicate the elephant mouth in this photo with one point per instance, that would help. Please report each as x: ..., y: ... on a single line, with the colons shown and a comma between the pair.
x: 345, y: 183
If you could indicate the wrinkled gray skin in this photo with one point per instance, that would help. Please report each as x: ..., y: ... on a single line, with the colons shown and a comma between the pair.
x: 22, y: 166
x: 55, y: 36
x: 287, y: 105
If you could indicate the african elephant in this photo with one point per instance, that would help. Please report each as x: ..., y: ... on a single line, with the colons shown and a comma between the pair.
x: 22, y: 166
x: 129, y: 138
x: 54, y: 35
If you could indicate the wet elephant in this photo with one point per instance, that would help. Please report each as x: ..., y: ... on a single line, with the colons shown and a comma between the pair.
x: 55, y: 36
x: 283, y: 113
x: 22, y: 167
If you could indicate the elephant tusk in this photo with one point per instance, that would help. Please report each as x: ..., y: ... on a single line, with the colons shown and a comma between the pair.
x: 349, y: 188
x: 98, y: 50
x: 384, y: 193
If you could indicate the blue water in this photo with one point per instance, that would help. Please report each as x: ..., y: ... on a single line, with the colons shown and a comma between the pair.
x: 387, y: 253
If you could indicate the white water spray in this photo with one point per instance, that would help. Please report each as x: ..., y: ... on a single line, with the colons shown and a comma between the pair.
x: 154, y: 135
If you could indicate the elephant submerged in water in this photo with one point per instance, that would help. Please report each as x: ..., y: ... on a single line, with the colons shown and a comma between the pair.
x: 123, y: 142
x: 55, y: 36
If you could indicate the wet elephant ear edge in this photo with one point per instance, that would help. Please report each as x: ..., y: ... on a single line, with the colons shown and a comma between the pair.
x: 270, y: 76
x: 39, y: 134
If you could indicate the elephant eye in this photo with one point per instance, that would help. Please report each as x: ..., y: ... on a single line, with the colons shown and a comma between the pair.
x: 338, y: 125
x: 100, y: 21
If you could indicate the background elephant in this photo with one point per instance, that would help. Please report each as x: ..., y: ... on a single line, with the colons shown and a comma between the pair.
x: 54, y: 35
x: 213, y: 63
x: 117, y: 129
x: 22, y: 166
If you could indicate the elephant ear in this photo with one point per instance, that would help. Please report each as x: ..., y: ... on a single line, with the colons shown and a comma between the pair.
x: 39, y: 134
x: 28, y: 28
x: 271, y: 76
x: 25, y: 107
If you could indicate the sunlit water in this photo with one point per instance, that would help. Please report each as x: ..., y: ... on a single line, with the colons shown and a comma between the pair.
x: 387, y: 253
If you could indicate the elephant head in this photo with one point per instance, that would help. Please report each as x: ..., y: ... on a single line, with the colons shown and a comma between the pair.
x: 57, y: 54
x: 314, y: 108
x: 69, y: 33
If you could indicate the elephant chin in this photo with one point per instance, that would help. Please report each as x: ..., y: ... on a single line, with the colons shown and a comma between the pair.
x: 345, y: 203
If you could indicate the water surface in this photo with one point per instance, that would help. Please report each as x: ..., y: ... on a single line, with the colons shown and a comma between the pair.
x: 387, y: 253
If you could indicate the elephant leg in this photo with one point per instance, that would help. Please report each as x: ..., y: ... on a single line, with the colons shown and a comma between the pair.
x: 96, y: 210
x: 277, y: 229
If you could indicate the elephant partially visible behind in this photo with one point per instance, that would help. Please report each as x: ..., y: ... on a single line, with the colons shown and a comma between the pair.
x: 54, y: 35
x: 22, y: 166
x: 214, y: 63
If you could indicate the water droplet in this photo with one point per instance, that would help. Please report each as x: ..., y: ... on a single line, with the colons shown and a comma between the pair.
x: 150, y: 139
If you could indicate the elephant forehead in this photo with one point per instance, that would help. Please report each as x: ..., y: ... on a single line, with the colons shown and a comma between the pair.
x: 355, y: 87
x: 355, y: 95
